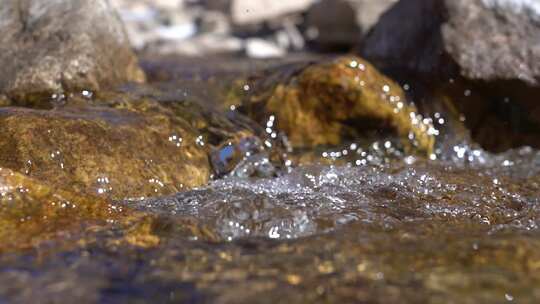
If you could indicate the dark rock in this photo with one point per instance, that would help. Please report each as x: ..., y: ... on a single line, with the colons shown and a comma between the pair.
x: 52, y: 46
x: 408, y: 37
x: 481, y: 39
x: 484, y: 53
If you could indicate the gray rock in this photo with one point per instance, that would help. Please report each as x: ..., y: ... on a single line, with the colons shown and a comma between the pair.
x: 49, y: 46
x: 206, y: 44
x: 485, y: 40
x: 343, y: 23
x: 260, y: 48
x: 244, y: 12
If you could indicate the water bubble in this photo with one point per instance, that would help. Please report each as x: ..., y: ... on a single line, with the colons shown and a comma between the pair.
x: 87, y: 94
x: 200, y: 141
x: 176, y: 140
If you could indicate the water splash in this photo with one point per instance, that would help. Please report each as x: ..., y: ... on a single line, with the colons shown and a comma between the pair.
x: 317, y: 199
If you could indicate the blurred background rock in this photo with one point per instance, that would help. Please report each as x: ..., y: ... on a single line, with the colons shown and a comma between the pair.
x: 256, y: 28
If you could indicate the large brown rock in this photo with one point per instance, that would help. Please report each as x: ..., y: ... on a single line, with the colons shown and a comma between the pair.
x: 332, y: 102
x: 117, y: 153
x: 133, y: 142
x: 32, y: 211
x: 62, y: 45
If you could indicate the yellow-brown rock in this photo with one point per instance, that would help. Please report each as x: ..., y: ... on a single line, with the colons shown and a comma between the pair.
x: 329, y: 102
x: 104, y: 151
x: 32, y: 211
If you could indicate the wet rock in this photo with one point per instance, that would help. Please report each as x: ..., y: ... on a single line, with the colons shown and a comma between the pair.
x: 134, y: 142
x: 342, y: 24
x: 484, y: 54
x: 33, y: 211
x: 52, y: 46
x: 228, y: 137
x: 410, y: 233
x: 116, y: 153
x: 484, y: 40
x: 331, y: 102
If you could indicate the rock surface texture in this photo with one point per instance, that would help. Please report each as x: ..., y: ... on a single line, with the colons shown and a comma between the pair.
x: 484, y: 53
x: 331, y: 102
x: 482, y: 39
x: 51, y: 209
x: 109, y: 152
x: 62, y: 45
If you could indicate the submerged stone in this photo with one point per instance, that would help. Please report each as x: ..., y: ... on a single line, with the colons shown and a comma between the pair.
x: 33, y: 212
x: 53, y: 46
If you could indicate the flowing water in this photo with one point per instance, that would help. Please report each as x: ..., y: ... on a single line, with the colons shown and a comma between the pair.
x: 400, y: 231
x: 366, y: 225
